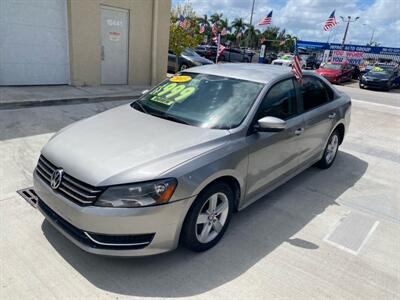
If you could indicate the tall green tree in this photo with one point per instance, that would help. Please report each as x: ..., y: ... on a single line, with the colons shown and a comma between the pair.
x: 238, y: 27
x: 180, y: 39
x: 215, y: 18
x: 252, y: 35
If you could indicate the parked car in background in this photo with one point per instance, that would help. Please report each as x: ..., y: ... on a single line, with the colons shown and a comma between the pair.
x: 212, y: 141
x: 336, y: 73
x: 236, y: 55
x: 379, y: 78
x: 287, y: 60
x: 189, y: 58
x: 312, y: 62
x: 207, y: 51
x: 270, y: 57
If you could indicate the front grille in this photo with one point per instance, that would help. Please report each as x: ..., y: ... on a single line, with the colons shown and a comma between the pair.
x: 71, y: 188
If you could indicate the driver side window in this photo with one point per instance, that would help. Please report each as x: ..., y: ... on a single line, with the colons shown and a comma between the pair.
x: 280, y: 101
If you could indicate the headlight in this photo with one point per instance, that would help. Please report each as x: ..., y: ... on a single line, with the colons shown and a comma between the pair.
x: 138, y: 194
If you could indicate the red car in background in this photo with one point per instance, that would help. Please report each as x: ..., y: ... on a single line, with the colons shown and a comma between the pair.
x: 336, y: 73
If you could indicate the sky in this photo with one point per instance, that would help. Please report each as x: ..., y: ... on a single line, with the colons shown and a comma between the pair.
x: 305, y: 18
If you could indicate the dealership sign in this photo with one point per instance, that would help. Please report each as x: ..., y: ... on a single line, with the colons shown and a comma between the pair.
x: 353, y: 48
x: 351, y: 57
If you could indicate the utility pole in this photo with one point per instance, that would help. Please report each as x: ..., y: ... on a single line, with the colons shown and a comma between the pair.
x: 372, y: 35
x: 349, y: 20
x: 251, y: 23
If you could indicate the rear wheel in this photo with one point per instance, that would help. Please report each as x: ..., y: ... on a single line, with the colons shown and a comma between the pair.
x: 183, y: 67
x: 208, y: 218
x: 330, y: 151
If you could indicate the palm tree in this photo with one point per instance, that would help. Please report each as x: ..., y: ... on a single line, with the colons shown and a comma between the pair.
x: 204, y: 20
x: 215, y: 18
x: 252, y: 35
x: 239, y: 25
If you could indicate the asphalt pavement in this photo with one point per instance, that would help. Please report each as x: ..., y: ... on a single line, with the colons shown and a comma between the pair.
x: 325, y: 234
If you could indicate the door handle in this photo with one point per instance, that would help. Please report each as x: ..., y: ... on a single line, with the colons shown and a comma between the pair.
x: 102, y: 52
x: 332, y: 116
x: 299, y: 131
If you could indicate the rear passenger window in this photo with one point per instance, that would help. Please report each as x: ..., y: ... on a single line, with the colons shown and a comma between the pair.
x: 315, y: 93
x: 280, y: 102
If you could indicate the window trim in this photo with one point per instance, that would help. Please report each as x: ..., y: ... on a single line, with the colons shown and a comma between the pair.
x: 299, y: 111
x: 300, y: 95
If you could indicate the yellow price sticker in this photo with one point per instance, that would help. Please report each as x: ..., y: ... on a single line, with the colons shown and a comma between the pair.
x: 180, y: 78
x: 172, y: 93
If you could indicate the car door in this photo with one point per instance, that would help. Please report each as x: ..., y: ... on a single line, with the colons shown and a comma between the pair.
x: 171, y: 61
x: 274, y: 154
x: 320, y: 113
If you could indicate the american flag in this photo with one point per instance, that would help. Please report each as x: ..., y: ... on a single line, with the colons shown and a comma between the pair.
x: 331, y: 22
x: 202, y: 28
x: 224, y: 31
x: 296, y: 67
x: 214, y: 28
x: 221, y: 50
x: 215, y: 39
x: 183, y: 22
x: 266, y: 20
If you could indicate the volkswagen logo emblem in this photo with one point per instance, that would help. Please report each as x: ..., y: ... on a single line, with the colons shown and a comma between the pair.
x: 56, y: 178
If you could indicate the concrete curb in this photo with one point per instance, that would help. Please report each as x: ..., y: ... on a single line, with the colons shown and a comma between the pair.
x: 64, y: 101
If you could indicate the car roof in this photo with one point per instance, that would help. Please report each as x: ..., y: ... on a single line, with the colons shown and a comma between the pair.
x: 262, y: 73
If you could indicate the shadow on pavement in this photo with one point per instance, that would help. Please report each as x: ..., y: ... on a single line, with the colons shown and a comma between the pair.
x: 24, y: 122
x: 252, y: 235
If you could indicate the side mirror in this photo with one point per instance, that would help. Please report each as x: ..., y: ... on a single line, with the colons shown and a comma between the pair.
x: 145, y: 92
x: 270, y: 124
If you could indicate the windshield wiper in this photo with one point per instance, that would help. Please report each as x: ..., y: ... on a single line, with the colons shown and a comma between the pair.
x: 140, y: 106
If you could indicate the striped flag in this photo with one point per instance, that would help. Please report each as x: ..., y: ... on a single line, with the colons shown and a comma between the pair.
x: 202, y: 28
x: 331, y: 22
x: 266, y: 20
x: 221, y: 50
x: 183, y: 23
x: 224, y: 31
x: 296, y: 67
x: 215, y: 39
x: 214, y: 28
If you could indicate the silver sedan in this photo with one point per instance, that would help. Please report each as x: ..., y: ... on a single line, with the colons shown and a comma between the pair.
x: 172, y: 167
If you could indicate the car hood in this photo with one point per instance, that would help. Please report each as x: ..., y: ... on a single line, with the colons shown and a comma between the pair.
x: 283, y: 61
x: 202, y: 60
x: 124, y: 145
x: 328, y: 72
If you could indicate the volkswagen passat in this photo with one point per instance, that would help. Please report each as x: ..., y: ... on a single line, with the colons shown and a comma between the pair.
x: 174, y: 165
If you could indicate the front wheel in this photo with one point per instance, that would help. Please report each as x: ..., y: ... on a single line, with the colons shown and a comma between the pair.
x: 330, y: 151
x: 208, y: 218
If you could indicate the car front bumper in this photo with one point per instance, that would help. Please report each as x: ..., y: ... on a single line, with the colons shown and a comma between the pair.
x: 114, y: 231
x: 374, y: 84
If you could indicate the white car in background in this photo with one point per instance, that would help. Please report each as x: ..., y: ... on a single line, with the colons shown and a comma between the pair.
x: 287, y: 59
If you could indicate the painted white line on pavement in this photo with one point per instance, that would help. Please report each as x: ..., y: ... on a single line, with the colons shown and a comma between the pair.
x: 375, y: 104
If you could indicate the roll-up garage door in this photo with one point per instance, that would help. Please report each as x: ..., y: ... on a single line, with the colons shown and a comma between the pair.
x: 33, y: 42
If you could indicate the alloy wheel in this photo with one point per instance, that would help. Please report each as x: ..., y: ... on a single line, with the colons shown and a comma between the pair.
x: 212, y: 217
x: 332, y: 148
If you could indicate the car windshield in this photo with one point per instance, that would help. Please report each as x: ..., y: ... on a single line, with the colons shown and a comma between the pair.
x: 190, y: 52
x: 331, y: 66
x: 201, y: 100
x: 287, y: 57
x: 379, y: 72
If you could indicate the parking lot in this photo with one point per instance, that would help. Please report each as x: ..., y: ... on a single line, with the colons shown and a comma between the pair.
x: 331, y: 233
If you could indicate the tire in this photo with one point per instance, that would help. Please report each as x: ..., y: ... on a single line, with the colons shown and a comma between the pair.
x: 194, y: 233
x: 330, y: 151
x: 183, y: 67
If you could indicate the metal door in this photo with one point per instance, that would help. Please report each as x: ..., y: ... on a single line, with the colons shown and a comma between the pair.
x: 114, y: 45
x: 33, y: 42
